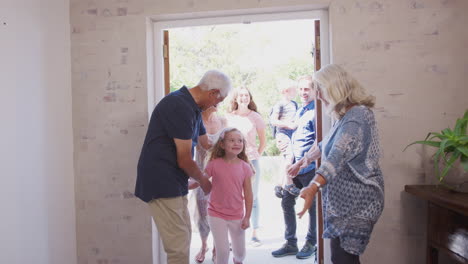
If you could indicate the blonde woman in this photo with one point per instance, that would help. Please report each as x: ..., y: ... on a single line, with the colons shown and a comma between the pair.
x: 350, y: 177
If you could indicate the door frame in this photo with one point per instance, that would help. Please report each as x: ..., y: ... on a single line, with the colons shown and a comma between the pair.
x: 156, y: 25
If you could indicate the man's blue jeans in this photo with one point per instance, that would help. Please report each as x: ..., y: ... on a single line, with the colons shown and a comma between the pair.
x: 289, y: 201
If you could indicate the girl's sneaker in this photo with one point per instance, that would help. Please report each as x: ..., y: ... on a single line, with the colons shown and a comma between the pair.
x: 292, y: 189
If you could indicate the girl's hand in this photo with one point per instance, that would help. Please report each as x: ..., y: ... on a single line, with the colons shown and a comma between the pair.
x: 205, y: 184
x: 192, y: 184
x: 245, y: 223
x: 308, y: 194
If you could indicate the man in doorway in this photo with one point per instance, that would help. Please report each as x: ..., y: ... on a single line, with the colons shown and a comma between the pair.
x: 302, y: 140
x: 166, y: 160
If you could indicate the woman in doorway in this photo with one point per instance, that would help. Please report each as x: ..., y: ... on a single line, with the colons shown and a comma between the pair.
x: 350, y: 177
x: 244, y: 116
x: 213, y: 123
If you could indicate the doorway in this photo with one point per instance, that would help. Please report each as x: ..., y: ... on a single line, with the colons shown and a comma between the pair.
x: 244, y: 36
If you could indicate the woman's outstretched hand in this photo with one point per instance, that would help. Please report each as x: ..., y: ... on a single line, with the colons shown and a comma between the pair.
x: 308, y: 194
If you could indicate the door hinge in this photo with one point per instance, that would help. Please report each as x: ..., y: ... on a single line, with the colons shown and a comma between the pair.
x: 165, y: 51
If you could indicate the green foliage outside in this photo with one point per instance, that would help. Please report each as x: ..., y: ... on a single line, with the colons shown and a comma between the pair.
x: 256, y: 56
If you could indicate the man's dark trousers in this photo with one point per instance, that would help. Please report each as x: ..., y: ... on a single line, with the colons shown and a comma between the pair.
x: 289, y: 201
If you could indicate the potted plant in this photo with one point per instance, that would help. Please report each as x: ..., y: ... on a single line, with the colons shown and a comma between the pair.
x: 452, y: 148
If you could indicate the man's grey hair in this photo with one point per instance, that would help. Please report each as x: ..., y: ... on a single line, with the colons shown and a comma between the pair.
x: 214, y: 79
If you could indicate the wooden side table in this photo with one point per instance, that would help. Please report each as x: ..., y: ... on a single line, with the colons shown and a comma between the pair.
x: 447, y: 223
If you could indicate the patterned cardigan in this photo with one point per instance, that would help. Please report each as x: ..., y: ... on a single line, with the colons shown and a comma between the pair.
x: 353, y: 197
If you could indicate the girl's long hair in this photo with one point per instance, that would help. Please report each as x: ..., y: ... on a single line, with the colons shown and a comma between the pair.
x: 233, y: 105
x: 218, y: 152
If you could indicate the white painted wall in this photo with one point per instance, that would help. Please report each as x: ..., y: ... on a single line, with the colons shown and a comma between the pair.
x: 37, y: 206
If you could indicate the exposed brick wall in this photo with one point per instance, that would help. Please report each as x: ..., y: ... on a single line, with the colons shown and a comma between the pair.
x: 410, y: 54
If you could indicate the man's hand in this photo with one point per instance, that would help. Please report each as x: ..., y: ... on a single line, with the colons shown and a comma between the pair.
x: 188, y: 165
x: 313, y: 154
x: 205, y: 184
x: 293, y: 169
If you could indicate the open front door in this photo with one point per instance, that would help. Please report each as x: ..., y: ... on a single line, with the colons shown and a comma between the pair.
x: 167, y: 86
x: 159, y: 255
x: 162, y: 82
x: 318, y: 133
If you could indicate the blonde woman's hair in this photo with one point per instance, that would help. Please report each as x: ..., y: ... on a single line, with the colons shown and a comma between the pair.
x: 233, y: 106
x: 341, y: 89
x: 218, y: 152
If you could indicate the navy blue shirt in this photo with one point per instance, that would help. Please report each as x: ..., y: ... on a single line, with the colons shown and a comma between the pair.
x: 158, y: 176
x: 304, y: 136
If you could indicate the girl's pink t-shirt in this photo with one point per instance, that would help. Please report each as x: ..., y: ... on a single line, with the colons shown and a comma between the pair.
x: 248, y: 125
x: 226, y: 197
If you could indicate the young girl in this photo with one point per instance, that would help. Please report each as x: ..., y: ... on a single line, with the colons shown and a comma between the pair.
x: 231, y: 191
x: 244, y: 116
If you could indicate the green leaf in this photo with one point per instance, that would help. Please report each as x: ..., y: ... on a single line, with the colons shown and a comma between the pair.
x: 463, y: 149
x: 447, y: 132
x: 437, y: 160
x: 449, y: 165
x: 425, y: 142
x: 458, y: 130
x: 435, y: 135
x: 444, y: 147
x: 464, y: 162
x: 446, y: 144
x: 462, y: 123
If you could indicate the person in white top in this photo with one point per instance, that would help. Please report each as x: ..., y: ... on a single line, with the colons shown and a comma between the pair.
x: 243, y: 115
x: 213, y: 123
